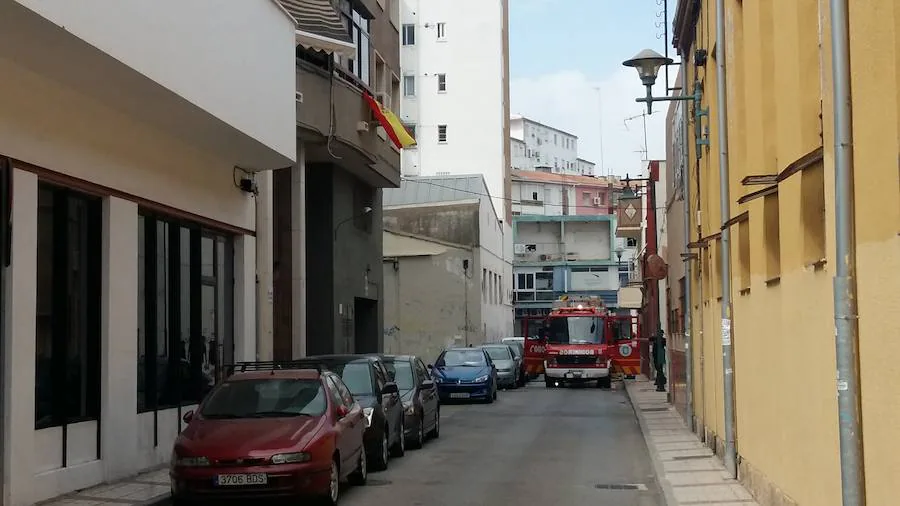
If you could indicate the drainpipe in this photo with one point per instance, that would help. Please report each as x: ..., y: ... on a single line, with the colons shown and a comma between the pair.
x: 725, y: 210
x: 686, y: 196
x: 845, y: 311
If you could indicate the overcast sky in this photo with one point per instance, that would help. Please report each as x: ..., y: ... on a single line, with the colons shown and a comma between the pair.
x: 561, y: 51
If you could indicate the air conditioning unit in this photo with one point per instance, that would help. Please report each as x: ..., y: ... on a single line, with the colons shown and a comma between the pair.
x: 598, y: 201
x: 384, y: 99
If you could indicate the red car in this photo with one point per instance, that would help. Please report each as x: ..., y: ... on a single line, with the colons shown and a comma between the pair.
x: 270, y: 432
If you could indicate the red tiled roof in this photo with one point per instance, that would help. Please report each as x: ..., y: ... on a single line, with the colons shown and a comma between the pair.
x: 545, y: 177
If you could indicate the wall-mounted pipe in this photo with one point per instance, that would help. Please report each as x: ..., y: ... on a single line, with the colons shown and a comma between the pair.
x: 725, y: 211
x: 686, y: 196
x: 846, y: 329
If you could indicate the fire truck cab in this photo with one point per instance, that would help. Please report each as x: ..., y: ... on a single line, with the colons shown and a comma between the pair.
x: 575, y: 351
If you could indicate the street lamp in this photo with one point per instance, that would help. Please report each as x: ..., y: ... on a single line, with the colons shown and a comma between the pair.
x: 619, y: 251
x: 647, y: 63
x: 366, y: 210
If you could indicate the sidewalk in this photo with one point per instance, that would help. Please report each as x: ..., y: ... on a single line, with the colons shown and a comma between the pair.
x: 145, y: 489
x: 688, y: 472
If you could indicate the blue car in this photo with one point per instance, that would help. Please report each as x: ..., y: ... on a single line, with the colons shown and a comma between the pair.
x: 465, y: 373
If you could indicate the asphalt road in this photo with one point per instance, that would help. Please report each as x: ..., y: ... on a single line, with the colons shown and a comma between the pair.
x: 533, y: 446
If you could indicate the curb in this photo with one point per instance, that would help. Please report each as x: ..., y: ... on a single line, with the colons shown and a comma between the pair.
x: 155, y: 501
x: 658, y: 468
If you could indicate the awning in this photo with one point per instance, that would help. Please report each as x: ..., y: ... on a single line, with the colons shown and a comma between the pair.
x: 320, y: 26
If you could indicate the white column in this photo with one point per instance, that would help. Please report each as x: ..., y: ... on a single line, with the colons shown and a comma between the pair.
x: 119, y: 419
x: 244, y: 298
x: 298, y: 254
x: 264, y: 261
x: 20, y: 307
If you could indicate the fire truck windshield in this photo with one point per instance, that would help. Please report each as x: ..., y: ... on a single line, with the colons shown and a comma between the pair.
x: 575, y: 330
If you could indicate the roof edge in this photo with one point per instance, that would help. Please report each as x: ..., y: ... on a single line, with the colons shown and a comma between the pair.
x: 420, y: 237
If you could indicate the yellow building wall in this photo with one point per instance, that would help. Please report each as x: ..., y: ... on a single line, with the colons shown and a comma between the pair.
x: 875, y: 64
x: 779, y: 82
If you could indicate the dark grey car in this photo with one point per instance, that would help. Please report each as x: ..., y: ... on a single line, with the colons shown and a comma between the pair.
x: 421, y: 404
x: 367, y: 379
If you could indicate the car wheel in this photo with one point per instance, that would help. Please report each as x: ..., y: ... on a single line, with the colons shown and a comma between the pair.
x: 399, y: 448
x: 436, y: 431
x: 333, y: 493
x: 495, y: 395
x: 380, y: 462
x: 419, y: 439
x: 361, y: 475
x: 549, y: 383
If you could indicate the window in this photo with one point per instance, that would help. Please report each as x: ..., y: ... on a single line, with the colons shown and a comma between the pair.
x: 483, y: 281
x: 441, y: 31
x: 67, y: 341
x: 358, y: 28
x: 409, y: 34
x: 395, y: 90
x: 500, y: 290
x: 442, y: 83
x: 812, y: 189
x: 586, y: 199
x: 411, y: 128
x: 631, y: 242
x: 772, y: 236
x: 409, y: 86
x: 442, y: 133
x: 185, y: 323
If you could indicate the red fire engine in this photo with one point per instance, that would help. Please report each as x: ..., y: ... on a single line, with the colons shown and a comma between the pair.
x: 582, y: 341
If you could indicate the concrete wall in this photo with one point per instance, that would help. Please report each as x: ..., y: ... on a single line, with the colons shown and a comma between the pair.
x: 425, y: 303
x: 783, y: 257
x: 451, y: 222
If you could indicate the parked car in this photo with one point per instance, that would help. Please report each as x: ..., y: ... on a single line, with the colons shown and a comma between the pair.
x: 421, y: 405
x: 505, y: 361
x: 519, y: 357
x: 465, y: 373
x: 367, y: 379
x: 275, y: 433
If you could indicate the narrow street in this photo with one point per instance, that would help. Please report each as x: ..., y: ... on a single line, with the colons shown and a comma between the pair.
x: 533, y: 446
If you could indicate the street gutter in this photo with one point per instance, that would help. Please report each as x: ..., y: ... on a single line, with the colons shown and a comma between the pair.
x: 658, y: 468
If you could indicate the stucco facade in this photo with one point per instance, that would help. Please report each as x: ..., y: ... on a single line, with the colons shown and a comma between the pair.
x: 781, y: 117
x: 121, y: 155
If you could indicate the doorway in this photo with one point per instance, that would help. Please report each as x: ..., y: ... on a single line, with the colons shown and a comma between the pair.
x: 365, y: 325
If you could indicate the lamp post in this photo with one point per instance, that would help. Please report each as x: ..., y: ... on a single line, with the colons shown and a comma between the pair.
x: 619, y: 252
x: 647, y: 63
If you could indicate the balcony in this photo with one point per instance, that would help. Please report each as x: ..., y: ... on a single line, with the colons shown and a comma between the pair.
x: 355, y: 141
x: 168, y: 64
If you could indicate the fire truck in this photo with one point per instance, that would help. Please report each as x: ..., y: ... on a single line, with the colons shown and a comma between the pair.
x: 581, y: 341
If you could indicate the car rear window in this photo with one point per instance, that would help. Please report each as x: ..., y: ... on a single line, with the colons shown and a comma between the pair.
x: 356, y: 375
x: 260, y: 398
x: 498, y: 352
x: 401, y: 372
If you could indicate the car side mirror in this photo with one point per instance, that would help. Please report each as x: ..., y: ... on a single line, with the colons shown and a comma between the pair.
x: 188, y: 416
x: 390, y: 388
x: 342, y: 411
x: 428, y: 383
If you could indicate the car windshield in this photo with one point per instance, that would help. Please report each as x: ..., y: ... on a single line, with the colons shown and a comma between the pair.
x: 498, y: 352
x: 260, y: 398
x: 461, y: 358
x: 356, y: 375
x: 401, y: 372
x: 575, y: 330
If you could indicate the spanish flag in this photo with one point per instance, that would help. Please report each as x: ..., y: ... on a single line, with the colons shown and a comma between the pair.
x: 391, y: 123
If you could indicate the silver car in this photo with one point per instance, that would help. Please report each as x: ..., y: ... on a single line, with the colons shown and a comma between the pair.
x: 505, y: 362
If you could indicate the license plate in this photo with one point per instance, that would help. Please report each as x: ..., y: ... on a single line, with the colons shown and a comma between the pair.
x: 237, y: 480
x: 575, y: 374
x: 459, y: 395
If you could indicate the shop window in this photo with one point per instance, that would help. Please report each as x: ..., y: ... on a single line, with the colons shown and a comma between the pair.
x: 744, y: 254
x: 772, y: 237
x: 812, y: 189
x: 185, y: 298
x: 69, y: 259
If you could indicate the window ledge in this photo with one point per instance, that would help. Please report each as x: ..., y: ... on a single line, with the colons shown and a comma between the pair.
x: 774, y: 281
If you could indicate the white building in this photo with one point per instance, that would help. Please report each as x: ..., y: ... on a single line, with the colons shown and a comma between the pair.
x: 547, y: 149
x: 586, y: 168
x: 133, y: 250
x: 457, y: 211
x: 454, y: 59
